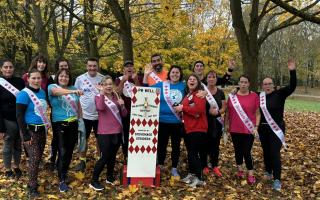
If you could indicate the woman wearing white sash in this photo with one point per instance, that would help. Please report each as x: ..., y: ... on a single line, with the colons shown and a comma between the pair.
x: 66, y: 109
x: 9, y: 130
x: 271, y: 138
x: 31, y: 106
x: 110, y: 109
x: 216, y: 106
x: 242, y: 120
x: 61, y: 63
x: 172, y: 93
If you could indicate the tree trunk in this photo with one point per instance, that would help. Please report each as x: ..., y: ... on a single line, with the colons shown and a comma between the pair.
x: 40, y: 30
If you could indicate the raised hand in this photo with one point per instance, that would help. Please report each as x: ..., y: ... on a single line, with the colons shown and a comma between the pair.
x: 291, y: 64
x: 231, y: 64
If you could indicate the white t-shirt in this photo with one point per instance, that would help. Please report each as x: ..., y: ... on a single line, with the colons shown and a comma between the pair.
x: 87, y: 85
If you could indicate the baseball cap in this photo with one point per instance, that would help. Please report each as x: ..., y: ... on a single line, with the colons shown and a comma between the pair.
x: 127, y: 62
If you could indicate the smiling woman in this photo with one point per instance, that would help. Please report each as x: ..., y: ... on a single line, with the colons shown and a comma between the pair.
x: 172, y: 93
x: 9, y: 130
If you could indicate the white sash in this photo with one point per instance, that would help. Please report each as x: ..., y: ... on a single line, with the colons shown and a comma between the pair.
x: 37, y: 104
x: 166, y: 94
x: 242, y: 115
x: 70, y: 100
x: 87, y: 83
x: 114, y: 109
x: 273, y: 125
x: 127, y: 88
x: 155, y: 77
x: 4, y: 83
x: 213, y: 103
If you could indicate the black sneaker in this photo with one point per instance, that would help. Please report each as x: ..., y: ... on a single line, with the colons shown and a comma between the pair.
x: 110, y: 180
x: 33, y: 193
x: 9, y: 174
x: 63, y: 187
x: 17, y: 172
x: 81, y: 166
x: 96, y: 186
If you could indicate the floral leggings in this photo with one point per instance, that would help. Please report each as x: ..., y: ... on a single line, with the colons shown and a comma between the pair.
x: 35, y: 151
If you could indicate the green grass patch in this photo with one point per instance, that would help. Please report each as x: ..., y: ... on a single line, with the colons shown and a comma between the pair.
x: 302, y: 105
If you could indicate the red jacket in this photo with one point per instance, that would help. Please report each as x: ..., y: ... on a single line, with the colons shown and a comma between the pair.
x: 194, y: 113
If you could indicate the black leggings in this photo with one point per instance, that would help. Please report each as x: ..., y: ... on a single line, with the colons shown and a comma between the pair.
x: 195, y: 143
x: 271, y: 146
x: 242, y: 144
x: 126, y: 127
x: 212, y: 148
x: 109, y: 145
x: 67, y: 134
x: 165, y: 131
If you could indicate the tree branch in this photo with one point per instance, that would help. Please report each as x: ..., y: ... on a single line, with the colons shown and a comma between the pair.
x: 300, y: 13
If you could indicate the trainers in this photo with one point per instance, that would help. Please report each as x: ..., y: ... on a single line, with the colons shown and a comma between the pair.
x: 81, y: 166
x: 188, y: 178
x: 196, y: 182
x: 216, y: 171
x: 63, y: 187
x: 174, y: 172
x: 9, y: 174
x: 110, y: 180
x: 267, y: 176
x: 251, y: 180
x: 17, y: 172
x: 240, y: 174
x: 206, y: 171
x: 276, y: 185
x: 96, y: 186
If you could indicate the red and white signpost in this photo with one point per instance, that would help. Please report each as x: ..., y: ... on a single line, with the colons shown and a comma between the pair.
x: 143, y: 138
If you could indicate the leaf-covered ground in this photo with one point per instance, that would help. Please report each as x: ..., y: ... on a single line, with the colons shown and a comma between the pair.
x: 300, y: 163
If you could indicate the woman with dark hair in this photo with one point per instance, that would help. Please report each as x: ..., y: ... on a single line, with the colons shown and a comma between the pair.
x: 242, y: 120
x: 31, y: 106
x: 110, y: 109
x: 196, y: 125
x: 216, y: 106
x: 61, y: 63
x: 173, y: 90
x: 66, y: 109
x: 272, y: 126
x: 10, y: 86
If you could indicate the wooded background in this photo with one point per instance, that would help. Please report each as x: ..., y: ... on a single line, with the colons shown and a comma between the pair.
x: 260, y: 35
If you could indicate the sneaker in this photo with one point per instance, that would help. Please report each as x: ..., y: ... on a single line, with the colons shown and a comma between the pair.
x: 267, y: 176
x: 17, y: 172
x: 174, y: 172
x: 240, y: 174
x: 63, y: 187
x: 9, y: 174
x: 33, y: 193
x: 110, y: 180
x: 196, y: 182
x: 188, y: 178
x: 81, y: 166
x: 276, y: 185
x: 96, y: 186
x: 251, y: 180
x: 216, y: 171
x: 206, y: 171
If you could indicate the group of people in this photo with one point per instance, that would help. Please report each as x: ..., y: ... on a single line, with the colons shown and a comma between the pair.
x: 193, y: 109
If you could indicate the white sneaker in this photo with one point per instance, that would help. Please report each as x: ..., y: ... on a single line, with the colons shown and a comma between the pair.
x: 195, y: 182
x: 188, y: 178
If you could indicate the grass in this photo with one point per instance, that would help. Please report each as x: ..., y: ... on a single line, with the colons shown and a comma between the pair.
x: 302, y: 105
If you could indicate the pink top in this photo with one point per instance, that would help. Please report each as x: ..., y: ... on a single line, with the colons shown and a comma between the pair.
x: 108, y: 123
x: 249, y: 104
